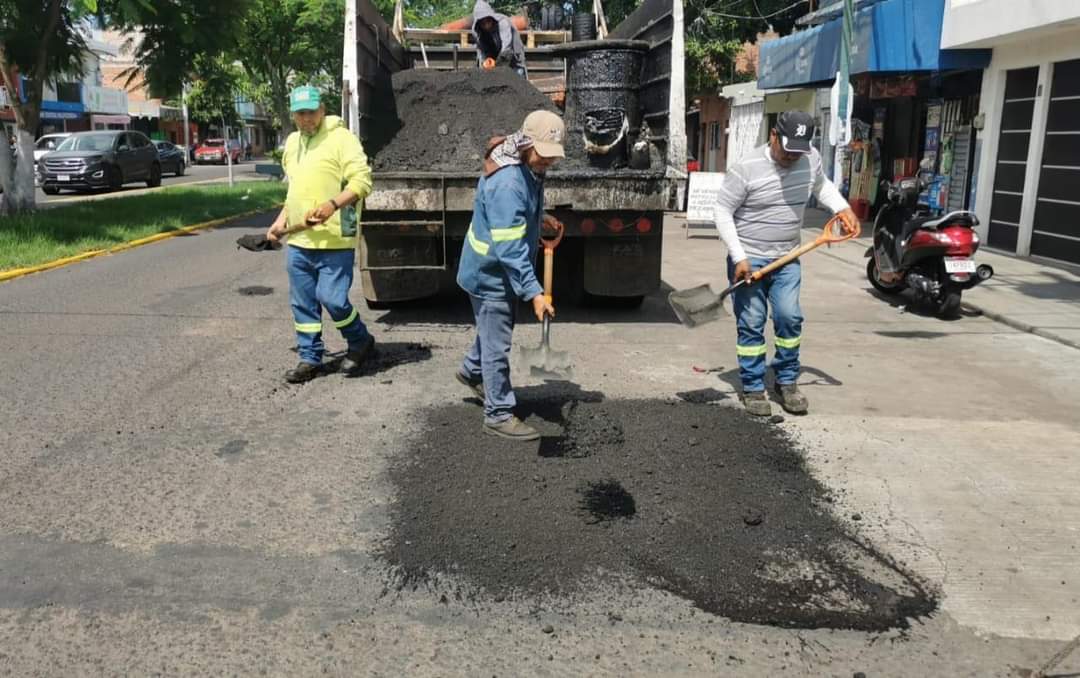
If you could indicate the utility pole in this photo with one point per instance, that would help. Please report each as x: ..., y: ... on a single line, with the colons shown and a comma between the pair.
x: 228, y: 149
x: 187, y: 124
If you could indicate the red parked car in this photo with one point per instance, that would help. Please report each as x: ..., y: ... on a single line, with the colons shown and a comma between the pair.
x: 213, y: 151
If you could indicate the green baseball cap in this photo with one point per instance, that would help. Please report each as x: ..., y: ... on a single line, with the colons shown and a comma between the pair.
x: 305, y: 98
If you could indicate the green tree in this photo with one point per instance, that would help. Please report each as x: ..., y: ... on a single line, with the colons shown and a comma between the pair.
x: 45, y: 41
x: 215, y: 84
x: 716, y: 32
x: 283, y: 43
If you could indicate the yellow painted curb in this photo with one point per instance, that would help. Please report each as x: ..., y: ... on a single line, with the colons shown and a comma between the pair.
x: 67, y: 261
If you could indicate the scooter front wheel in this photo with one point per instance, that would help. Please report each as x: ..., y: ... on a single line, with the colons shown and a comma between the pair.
x: 874, y: 276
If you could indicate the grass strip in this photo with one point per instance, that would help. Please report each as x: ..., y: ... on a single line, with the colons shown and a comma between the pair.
x: 49, y: 234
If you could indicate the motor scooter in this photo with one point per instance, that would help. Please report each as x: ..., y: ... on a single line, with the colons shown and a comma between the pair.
x: 933, y: 256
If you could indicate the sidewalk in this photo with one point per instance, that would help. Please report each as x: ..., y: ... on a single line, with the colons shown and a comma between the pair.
x: 1032, y: 296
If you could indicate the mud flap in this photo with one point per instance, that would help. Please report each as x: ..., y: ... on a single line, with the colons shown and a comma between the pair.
x: 622, y: 266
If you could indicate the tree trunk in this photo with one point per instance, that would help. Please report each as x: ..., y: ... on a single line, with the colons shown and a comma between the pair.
x: 281, y: 110
x: 18, y: 180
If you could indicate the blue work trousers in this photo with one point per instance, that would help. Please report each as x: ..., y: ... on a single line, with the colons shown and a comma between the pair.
x: 321, y: 279
x: 780, y: 290
x: 489, y: 357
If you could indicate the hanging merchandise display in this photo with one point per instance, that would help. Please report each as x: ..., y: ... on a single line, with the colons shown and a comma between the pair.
x: 875, y: 175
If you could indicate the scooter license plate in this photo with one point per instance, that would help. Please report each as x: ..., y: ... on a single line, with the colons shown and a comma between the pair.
x: 959, y: 265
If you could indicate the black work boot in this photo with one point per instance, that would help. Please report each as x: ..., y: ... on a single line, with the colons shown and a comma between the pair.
x: 476, y: 387
x: 512, y: 429
x: 791, y: 399
x: 303, y: 372
x: 756, y: 403
x: 355, y: 358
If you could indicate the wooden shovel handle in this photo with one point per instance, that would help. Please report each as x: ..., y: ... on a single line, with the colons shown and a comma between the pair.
x: 827, y: 237
x: 549, y: 269
x: 550, y: 243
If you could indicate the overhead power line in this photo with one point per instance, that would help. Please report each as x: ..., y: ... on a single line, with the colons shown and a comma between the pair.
x: 761, y: 16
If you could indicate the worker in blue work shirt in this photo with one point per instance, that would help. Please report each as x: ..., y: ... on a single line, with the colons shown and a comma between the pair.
x: 498, y: 262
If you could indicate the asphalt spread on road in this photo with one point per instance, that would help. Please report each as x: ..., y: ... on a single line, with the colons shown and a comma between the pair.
x: 699, y: 500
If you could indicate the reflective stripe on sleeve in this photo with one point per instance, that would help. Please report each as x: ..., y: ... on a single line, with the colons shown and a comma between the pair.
x: 507, y: 234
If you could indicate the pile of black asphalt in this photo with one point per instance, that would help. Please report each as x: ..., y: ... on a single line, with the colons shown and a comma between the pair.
x: 446, y: 118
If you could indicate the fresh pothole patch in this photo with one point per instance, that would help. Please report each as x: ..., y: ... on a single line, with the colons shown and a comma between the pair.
x: 702, y: 501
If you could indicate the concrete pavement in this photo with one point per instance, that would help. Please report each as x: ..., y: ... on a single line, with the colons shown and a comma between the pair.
x: 171, y: 507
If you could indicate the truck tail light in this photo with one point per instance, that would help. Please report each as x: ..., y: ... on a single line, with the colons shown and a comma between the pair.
x: 644, y: 225
x: 588, y: 226
x: 616, y: 225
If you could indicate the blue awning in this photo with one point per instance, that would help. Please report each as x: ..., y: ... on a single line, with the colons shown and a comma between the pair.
x: 891, y: 36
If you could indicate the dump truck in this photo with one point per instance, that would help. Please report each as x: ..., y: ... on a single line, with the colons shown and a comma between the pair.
x: 626, y: 146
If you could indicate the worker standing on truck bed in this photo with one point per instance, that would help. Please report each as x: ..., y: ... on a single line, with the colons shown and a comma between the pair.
x: 497, y: 39
x: 497, y: 262
x: 759, y: 214
x: 328, y: 173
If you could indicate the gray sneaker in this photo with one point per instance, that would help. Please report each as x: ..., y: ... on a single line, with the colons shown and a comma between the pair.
x: 513, y: 429
x: 756, y: 403
x: 791, y: 399
x: 477, y: 387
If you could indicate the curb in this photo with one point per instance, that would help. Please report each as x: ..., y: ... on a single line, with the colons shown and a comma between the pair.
x: 992, y: 315
x: 132, y: 244
x: 1020, y: 325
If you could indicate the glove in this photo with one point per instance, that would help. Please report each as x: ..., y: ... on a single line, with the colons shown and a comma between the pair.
x: 489, y: 64
x: 256, y: 242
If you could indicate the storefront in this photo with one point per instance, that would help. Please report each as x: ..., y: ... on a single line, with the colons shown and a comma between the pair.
x: 58, y: 116
x: 1028, y: 172
x: 913, y: 101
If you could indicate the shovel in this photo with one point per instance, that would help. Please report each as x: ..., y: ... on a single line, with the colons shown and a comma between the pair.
x: 542, y: 360
x: 699, y: 305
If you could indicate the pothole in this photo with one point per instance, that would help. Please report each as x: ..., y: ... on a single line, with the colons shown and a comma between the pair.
x: 256, y: 291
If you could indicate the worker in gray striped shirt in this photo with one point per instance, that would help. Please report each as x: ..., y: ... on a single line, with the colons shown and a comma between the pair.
x: 759, y: 214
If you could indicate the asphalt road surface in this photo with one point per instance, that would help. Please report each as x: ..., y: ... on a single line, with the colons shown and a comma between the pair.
x: 193, y: 174
x: 170, y: 507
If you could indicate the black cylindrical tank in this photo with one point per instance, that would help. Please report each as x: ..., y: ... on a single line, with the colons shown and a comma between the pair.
x: 602, y: 114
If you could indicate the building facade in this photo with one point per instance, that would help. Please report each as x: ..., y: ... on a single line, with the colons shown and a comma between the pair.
x: 913, y: 102
x: 1028, y: 165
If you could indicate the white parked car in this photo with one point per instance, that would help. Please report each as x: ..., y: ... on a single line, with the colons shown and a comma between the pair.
x: 46, y: 144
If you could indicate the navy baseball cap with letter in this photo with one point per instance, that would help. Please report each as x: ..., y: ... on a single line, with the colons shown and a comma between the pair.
x: 795, y: 129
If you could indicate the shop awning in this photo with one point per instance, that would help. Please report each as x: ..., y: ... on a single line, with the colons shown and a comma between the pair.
x: 891, y: 36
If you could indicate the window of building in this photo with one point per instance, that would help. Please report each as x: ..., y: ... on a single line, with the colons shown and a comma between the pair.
x: 714, y: 135
x: 69, y: 92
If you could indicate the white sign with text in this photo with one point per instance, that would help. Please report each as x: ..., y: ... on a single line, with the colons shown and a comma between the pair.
x: 701, y: 197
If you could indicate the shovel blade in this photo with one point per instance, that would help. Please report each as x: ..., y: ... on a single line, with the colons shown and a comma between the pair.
x: 697, y: 305
x: 545, y: 363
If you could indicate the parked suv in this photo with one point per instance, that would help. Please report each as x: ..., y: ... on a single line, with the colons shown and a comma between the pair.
x: 213, y: 150
x: 106, y: 159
